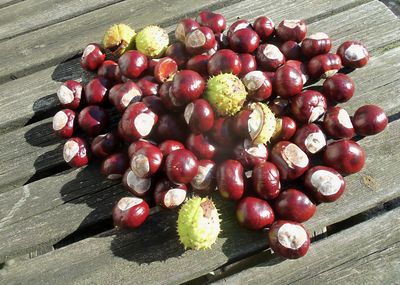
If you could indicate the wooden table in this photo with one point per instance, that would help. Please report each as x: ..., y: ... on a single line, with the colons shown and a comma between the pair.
x: 55, y: 225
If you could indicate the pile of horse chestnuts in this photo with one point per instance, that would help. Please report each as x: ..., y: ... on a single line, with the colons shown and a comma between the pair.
x: 220, y: 112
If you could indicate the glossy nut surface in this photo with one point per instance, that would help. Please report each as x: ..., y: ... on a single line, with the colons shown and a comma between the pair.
x: 308, y: 106
x: 93, y: 120
x: 353, y: 54
x: 254, y: 213
x: 310, y: 139
x: 337, y: 123
x: 230, y: 181
x: 181, y: 166
x: 288, y: 81
x: 64, y: 123
x: 224, y: 61
x: 294, y: 205
x: 294, y: 30
x: 266, y: 180
x: 338, y: 88
x: 269, y: 57
x: 199, y: 116
x: 130, y: 212
x: 369, y: 120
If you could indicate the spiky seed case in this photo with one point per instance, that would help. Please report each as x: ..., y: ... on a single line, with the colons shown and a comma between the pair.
x: 119, y: 38
x: 152, y: 41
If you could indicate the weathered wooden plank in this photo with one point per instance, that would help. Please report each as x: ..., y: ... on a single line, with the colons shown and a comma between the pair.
x: 5, y: 3
x: 115, y: 255
x: 59, y: 42
x: 32, y: 15
x: 367, y: 253
x: 40, y: 100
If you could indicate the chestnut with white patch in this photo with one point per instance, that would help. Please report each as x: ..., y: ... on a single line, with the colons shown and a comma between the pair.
x: 115, y: 165
x: 310, y: 139
x: 123, y: 95
x: 258, y: 85
x: 130, y: 212
x: 294, y: 30
x: 204, y: 182
x: 337, y: 123
x: 249, y: 154
x: 168, y: 194
x: 353, y: 54
x: 92, y: 57
x: 75, y: 152
x: 269, y: 57
x: 64, y: 123
x: 308, y: 106
x: 136, y: 185
x: 146, y: 161
x: 324, y: 65
x: 69, y: 94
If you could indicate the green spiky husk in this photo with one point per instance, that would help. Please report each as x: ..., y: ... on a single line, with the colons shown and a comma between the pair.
x: 152, y: 41
x: 226, y: 93
x: 268, y: 126
x: 119, y: 38
x: 198, y: 223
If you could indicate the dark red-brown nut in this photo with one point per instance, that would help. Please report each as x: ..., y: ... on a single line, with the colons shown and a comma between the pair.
x: 105, y: 144
x: 254, y: 213
x: 181, y: 166
x: 346, y: 156
x: 146, y: 161
x: 338, y: 88
x: 64, y: 123
x: 110, y: 71
x: 244, y: 41
x: 337, y: 123
x: 318, y: 43
x: 353, y: 54
x: 224, y: 61
x: 92, y: 57
x: 269, y: 57
x: 324, y: 183
x: 199, y: 116
x: 136, y: 145
x: 170, y: 127
x: 258, y: 86
x: 69, y: 94
x: 291, y: 161
x: 291, y: 50
x: 186, y: 87
x: 264, y: 27
x: 199, y: 63
x: 130, y: 212
x: 184, y: 27
x: 149, y: 85
x: 137, y: 121
x: 288, y: 81
x: 204, y: 182
x: 279, y: 106
x: 221, y: 132
x: 93, y: 120
x: 137, y: 186
x: 212, y: 50
x: 132, y: 64
x: 214, y: 21
x: 222, y: 40
x: 291, y: 30
x: 177, y: 51
x: 230, y: 181
x: 165, y: 69
x: 155, y: 104
x: 301, y: 67
x: 266, y: 180
x: 288, y: 239
x: 294, y: 205
x: 124, y: 94
x: 200, y: 40
x: 96, y: 91
x: 308, y: 106
x: 169, y: 146
x: 115, y: 165
x: 168, y: 194
x: 238, y: 25
x: 75, y: 152
x: 324, y: 65
x: 200, y: 146
x: 369, y: 120
x: 151, y: 64
x: 310, y: 139
x: 249, y: 154
x: 248, y: 62
x: 166, y: 98
x: 285, y: 128
x: 239, y: 124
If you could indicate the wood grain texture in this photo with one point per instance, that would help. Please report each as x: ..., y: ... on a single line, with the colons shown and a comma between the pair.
x: 367, y: 253
x: 6, y: 3
x: 57, y: 43
x: 35, y: 14
x: 153, y: 250
x: 39, y: 99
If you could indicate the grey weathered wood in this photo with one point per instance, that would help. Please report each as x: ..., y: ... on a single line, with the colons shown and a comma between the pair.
x: 33, y: 14
x: 367, y: 253
x: 113, y: 256
x: 57, y: 43
x: 40, y: 100
x: 6, y: 3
